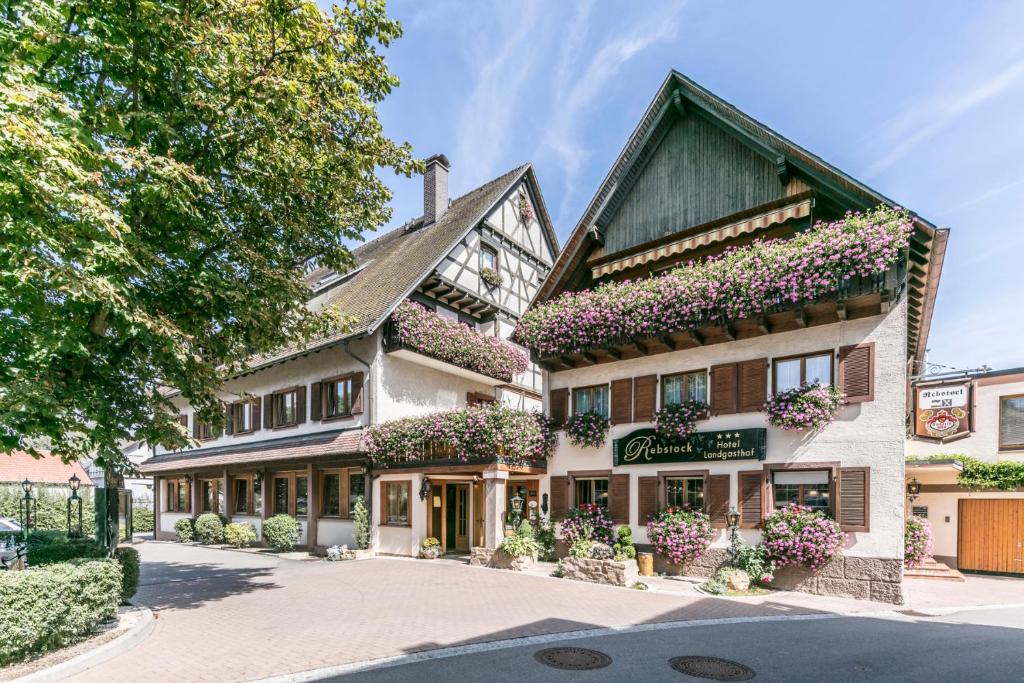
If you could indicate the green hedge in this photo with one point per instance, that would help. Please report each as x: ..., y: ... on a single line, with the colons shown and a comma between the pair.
x: 184, y: 530
x: 128, y: 558
x: 51, y: 509
x: 209, y: 528
x: 240, y: 535
x: 50, y: 548
x: 49, y: 607
x: 142, y: 520
x: 281, y: 532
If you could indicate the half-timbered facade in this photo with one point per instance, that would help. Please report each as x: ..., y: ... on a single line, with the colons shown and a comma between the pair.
x: 293, y: 443
x: 697, y: 177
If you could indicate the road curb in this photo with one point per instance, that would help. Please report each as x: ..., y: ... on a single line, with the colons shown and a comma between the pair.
x: 87, y: 660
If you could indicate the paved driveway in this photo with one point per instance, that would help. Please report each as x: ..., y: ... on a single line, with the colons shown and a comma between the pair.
x: 230, y: 616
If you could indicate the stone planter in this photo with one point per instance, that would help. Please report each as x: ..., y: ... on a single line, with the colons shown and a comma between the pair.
x: 356, y: 554
x: 608, y: 572
x: 501, y: 560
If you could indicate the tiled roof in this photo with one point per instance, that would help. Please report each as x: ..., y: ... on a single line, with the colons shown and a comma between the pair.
x: 392, y: 265
x: 48, y: 469
x: 336, y: 442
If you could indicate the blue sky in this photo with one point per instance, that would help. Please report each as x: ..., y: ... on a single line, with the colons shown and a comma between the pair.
x: 922, y: 101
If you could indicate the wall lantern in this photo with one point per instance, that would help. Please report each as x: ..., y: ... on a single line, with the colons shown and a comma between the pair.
x: 425, y: 488
x: 913, y: 489
x: 74, y: 482
x: 517, y: 511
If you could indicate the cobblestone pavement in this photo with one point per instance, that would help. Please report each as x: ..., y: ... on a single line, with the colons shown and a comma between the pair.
x: 231, y: 616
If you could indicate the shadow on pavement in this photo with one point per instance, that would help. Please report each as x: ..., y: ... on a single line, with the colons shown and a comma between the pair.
x: 175, y: 585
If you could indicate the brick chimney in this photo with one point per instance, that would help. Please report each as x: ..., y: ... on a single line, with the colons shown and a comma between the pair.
x: 435, y: 189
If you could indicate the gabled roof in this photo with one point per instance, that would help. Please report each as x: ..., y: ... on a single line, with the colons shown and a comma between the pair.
x: 678, y: 95
x: 391, y: 266
x: 49, y: 469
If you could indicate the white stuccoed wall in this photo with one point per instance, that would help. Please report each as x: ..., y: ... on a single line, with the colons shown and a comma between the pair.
x: 867, y: 434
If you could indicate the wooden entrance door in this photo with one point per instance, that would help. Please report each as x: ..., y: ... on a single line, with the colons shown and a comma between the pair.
x: 457, y: 517
x: 990, y: 537
x: 478, y: 514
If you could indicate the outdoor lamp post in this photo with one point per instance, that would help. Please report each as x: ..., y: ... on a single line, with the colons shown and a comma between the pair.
x: 74, y: 482
x: 913, y: 489
x: 26, y: 508
x: 517, y: 511
x: 732, y: 519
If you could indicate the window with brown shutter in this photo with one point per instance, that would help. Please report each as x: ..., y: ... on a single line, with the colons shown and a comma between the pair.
x: 618, y: 498
x: 724, y: 399
x: 854, y: 493
x: 717, y: 500
x: 559, y: 497
x: 315, y: 407
x: 558, y: 402
x: 647, y: 499
x: 753, y: 385
x: 268, y: 411
x: 857, y: 372
x: 622, y: 401
x: 645, y: 392
x: 751, y: 490
x: 357, y: 393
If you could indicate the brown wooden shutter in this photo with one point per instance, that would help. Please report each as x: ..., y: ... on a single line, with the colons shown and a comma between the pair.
x: 753, y: 385
x: 618, y: 498
x: 724, y: 400
x: 229, y: 421
x: 647, y: 499
x: 268, y: 411
x: 195, y: 426
x: 645, y: 397
x: 257, y: 409
x: 558, y: 402
x: 622, y: 401
x: 854, y: 493
x: 559, y: 497
x: 717, y: 499
x: 300, y: 405
x: 751, y: 496
x: 357, y: 393
x: 857, y: 372
x: 315, y: 405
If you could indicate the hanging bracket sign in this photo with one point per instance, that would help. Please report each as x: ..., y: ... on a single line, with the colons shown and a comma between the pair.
x: 645, y: 446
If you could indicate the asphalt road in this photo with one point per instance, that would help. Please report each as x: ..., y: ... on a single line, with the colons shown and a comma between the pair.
x: 975, y: 646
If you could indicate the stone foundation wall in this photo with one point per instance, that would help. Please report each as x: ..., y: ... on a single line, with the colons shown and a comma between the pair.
x: 600, y: 571
x: 480, y: 557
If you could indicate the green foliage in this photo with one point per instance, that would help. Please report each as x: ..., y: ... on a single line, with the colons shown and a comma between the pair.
x: 142, y: 520
x: 184, y: 529
x: 716, y: 585
x: 52, y: 550
x: 544, y: 534
x: 521, y: 543
x: 281, y: 533
x: 168, y: 171
x: 1004, y: 475
x: 580, y: 548
x: 51, y: 508
x: 128, y: 558
x: 240, y: 535
x: 49, y: 607
x: 754, y: 560
x: 624, y: 548
x: 361, y: 517
x: 209, y: 528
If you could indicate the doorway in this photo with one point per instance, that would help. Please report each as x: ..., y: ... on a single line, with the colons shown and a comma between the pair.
x: 456, y: 517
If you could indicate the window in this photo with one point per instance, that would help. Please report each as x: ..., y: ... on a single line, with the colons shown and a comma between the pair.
x: 301, y: 496
x: 1011, y: 422
x: 285, y: 408
x: 243, y: 417
x: 684, y: 491
x: 243, y: 496
x: 182, y: 420
x: 337, y: 397
x: 281, y: 495
x: 356, y: 489
x: 488, y: 257
x: 178, y: 498
x: 592, y: 491
x: 210, y: 495
x: 205, y: 432
x: 331, y: 495
x: 587, y: 399
x: 803, y: 487
x: 396, y: 502
x: 791, y: 373
x: 687, y: 386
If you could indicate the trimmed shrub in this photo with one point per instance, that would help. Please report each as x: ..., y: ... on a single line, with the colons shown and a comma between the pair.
x: 281, y: 533
x: 240, y: 535
x: 52, y: 550
x: 184, y: 529
x: 361, y: 517
x: 209, y: 528
x: 49, y: 607
x: 142, y: 520
x: 128, y: 558
x: 624, y: 548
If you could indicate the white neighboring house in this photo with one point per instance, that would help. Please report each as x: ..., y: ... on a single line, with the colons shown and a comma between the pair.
x: 296, y: 418
x: 141, y: 486
x: 980, y: 415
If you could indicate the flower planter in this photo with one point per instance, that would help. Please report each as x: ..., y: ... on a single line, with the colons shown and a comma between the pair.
x: 608, y: 572
x: 501, y: 560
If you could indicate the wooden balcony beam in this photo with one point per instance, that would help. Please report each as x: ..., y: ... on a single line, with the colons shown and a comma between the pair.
x: 668, y: 342
x: 696, y: 337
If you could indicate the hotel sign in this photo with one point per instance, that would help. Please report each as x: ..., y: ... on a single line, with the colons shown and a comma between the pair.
x: 645, y: 446
x: 942, y: 411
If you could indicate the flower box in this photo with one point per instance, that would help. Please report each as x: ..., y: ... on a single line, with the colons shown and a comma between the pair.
x: 610, y: 572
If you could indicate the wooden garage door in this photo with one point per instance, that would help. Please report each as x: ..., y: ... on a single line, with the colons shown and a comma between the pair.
x: 991, y: 535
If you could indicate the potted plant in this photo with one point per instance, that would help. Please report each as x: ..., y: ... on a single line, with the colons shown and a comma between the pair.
x: 430, y: 549
x: 587, y: 429
x: 808, y: 407
x: 680, y: 534
x: 676, y: 421
x: 491, y: 276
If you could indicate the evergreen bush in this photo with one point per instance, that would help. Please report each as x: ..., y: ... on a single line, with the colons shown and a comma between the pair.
x: 240, y: 535
x: 184, y: 530
x: 209, y: 528
x: 281, y: 533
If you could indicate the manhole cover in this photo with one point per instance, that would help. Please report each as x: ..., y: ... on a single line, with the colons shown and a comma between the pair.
x: 573, y: 658
x: 711, y: 668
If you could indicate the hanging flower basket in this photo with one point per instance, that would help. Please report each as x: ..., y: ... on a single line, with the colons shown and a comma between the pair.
x: 741, y: 283
x: 491, y: 276
x: 676, y: 421
x: 525, y: 210
x: 809, y: 407
x: 797, y: 535
x: 680, y: 535
x: 587, y: 429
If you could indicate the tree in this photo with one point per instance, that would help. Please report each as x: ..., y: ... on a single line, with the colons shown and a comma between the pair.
x: 167, y: 171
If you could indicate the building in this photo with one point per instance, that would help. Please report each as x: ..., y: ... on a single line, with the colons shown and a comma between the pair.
x: 981, y: 416
x: 48, y: 474
x: 296, y: 419
x: 695, y: 178
x: 141, y: 487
